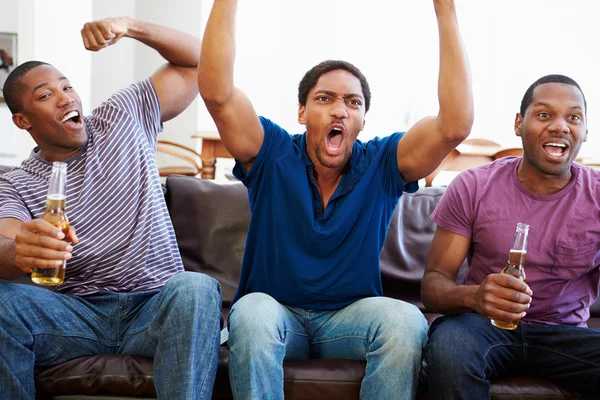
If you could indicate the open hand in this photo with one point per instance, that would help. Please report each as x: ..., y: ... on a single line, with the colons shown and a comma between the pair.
x: 97, y: 35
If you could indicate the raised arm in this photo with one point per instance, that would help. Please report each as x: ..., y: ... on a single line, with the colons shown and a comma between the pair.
x: 426, y: 144
x: 235, y: 118
x: 499, y: 296
x: 175, y: 82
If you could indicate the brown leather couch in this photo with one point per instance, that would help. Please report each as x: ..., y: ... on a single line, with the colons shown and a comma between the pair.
x: 210, y: 222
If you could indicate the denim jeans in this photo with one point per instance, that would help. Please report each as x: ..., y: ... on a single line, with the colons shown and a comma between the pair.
x: 465, y: 352
x: 389, y: 334
x: 178, y: 326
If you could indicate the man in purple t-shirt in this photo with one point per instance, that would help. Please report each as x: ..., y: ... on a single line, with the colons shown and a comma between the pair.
x: 476, y: 218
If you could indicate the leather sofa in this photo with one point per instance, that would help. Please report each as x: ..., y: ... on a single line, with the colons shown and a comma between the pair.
x: 210, y: 222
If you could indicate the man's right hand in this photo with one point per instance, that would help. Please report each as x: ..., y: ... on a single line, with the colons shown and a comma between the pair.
x: 503, y: 297
x: 39, y: 244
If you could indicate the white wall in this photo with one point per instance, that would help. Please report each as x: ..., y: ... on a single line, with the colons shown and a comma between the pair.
x: 184, y: 15
x: 45, y: 34
x: 510, y: 44
x: 8, y: 131
x: 112, y: 67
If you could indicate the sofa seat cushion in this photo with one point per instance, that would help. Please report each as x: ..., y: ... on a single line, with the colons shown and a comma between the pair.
x: 99, y: 374
x: 304, y: 380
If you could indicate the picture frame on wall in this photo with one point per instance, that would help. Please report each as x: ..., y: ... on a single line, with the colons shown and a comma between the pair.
x: 8, y: 57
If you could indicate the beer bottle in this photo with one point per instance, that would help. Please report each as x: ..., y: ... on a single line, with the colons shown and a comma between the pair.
x: 55, y: 214
x: 515, y: 266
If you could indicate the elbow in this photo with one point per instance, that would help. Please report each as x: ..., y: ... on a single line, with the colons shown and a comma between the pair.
x: 457, y: 130
x: 426, y: 297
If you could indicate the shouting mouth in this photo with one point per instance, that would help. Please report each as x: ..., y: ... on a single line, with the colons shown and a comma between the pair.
x: 555, y: 150
x: 334, y: 140
x: 72, y: 119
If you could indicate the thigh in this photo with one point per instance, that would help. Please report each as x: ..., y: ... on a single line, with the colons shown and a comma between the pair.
x: 567, y: 355
x: 349, y: 332
x: 258, y: 320
x: 57, y: 327
x: 187, y: 300
x: 470, y: 339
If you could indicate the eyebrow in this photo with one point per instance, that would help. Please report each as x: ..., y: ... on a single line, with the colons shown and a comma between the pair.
x: 41, y: 85
x: 334, y: 94
x: 542, y: 104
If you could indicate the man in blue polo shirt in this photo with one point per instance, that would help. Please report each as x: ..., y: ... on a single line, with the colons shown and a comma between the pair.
x: 321, y: 203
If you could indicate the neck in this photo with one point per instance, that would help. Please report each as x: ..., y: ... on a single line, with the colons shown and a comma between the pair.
x: 56, y: 156
x: 540, y: 183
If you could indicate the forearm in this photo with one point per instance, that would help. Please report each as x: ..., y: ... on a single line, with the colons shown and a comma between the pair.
x: 455, y: 116
x: 8, y: 267
x: 215, y: 69
x: 442, y: 295
x: 178, y: 48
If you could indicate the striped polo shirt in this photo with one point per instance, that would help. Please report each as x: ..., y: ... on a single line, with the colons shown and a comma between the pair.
x: 114, y: 199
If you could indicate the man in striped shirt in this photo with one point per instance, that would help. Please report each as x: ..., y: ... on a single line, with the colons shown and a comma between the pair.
x: 125, y: 290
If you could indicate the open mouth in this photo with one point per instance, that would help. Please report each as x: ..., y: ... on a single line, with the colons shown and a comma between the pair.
x: 555, y: 150
x: 334, y: 140
x: 72, y: 118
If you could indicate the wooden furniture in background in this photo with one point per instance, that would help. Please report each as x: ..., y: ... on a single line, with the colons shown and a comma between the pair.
x: 471, y: 153
x: 212, y: 147
x: 181, y: 152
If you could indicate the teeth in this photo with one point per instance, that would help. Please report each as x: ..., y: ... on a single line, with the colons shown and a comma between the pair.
x: 555, y: 145
x: 70, y: 115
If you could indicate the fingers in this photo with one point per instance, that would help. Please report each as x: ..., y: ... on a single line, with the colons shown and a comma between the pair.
x: 97, y: 35
x: 39, y: 244
x: 511, y: 282
x: 503, y: 297
x: 72, y: 236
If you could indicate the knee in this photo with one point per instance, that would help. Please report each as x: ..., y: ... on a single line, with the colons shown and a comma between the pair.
x: 400, y: 322
x: 451, y: 344
x: 190, y: 289
x: 254, y: 316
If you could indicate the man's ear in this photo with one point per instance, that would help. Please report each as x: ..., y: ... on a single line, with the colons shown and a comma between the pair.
x: 21, y: 121
x: 518, y: 124
x: 585, y: 137
x: 302, y: 115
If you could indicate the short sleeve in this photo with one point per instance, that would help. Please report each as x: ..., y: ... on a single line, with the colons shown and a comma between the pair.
x: 275, y: 141
x: 11, y: 203
x: 392, y: 175
x: 456, y: 209
x: 140, y: 101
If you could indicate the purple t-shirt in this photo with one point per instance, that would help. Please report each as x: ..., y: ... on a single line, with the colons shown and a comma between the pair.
x: 485, y: 204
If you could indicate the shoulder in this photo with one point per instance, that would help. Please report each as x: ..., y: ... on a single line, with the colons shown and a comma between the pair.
x: 588, y: 179
x: 494, y: 172
x: 374, y: 146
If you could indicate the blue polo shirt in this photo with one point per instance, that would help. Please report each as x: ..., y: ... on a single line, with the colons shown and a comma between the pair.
x: 298, y: 254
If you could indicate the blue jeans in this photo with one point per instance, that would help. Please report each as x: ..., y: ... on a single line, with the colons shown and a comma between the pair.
x: 465, y: 352
x: 389, y: 334
x: 178, y: 326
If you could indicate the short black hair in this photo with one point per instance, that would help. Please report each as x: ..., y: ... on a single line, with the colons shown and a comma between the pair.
x: 312, y: 76
x: 14, y: 88
x: 549, y: 79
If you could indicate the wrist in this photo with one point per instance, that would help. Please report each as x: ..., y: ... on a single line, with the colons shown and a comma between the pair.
x: 134, y: 28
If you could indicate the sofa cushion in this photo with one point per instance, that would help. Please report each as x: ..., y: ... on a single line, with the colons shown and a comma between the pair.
x: 406, y: 245
x: 211, y: 222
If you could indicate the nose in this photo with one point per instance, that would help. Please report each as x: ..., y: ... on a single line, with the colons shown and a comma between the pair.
x: 65, y: 99
x: 559, y: 125
x: 339, y: 109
